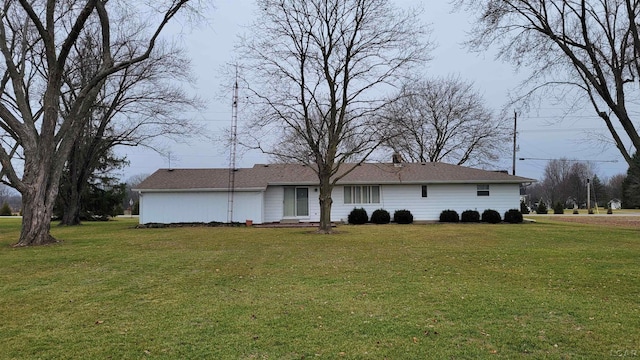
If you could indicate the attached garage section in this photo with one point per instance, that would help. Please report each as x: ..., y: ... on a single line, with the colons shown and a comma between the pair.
x: 199, y: 206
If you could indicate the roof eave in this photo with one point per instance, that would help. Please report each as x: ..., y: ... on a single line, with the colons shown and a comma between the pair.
x: 248, y: 189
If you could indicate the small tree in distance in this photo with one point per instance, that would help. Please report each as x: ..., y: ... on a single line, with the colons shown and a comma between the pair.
x: 5, y: 210
x: 558, y: 208
x: 542, y: 208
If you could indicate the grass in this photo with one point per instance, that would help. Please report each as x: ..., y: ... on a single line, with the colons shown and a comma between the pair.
x: 546, y: 290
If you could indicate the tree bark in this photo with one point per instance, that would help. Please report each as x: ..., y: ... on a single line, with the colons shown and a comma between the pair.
x: 36, y: 218
x: 325, y: 205
x: 71, y: 208
x: 77, y: 177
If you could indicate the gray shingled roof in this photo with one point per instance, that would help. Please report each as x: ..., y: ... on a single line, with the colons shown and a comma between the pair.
x: 260, y: 176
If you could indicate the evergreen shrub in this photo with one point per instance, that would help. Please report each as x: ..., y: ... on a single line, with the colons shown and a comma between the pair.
x: 513, y: 216
x: 358, y: 216
x: 470, y: 216
x: 450, y: 216
x: 491, y: 216
x: 403, y: 217
x: 542, y: 208
x: 558, y: 208
x: 380, y: 216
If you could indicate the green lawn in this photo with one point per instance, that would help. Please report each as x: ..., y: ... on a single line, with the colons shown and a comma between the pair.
x: 455, y: 291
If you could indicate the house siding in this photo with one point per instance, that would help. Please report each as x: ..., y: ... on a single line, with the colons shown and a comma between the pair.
x: 199, y: 206
x: 273, y: 203
x: 458, y: 197
x: 267, y: 206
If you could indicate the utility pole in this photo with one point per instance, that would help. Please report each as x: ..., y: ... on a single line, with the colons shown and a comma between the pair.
x: 515, y: 146
x: 588, y: 196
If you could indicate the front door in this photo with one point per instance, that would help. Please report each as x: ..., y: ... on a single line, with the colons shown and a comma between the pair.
x: 296, y: 201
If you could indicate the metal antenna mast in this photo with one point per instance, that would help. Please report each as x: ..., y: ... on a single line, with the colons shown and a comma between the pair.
x: 232, y: 157
x: 515, y: 138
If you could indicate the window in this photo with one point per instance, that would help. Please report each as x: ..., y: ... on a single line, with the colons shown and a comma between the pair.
x: 362, y: 194
x: 483, y: 190
x: 424, y: 190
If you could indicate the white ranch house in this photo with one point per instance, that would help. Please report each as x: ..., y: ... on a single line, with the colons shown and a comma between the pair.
x: 289, y: 192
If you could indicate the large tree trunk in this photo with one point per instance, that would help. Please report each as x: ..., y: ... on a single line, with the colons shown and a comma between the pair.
x: 42, y: 171
x: 36, y: 217
x: 71, y: 208
x: 71, y: 192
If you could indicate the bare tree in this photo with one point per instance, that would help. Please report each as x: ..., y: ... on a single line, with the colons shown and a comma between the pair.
x: 556, y: 181
x: 565, y: 181
x: 316, y: 72
x: 134, y: 107
x: 444, y: 119
x: 614, y: 186
x: 37, y: 41
x: 590, y: 48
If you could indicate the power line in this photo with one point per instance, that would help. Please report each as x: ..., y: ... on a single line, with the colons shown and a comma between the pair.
x: 571, y: 160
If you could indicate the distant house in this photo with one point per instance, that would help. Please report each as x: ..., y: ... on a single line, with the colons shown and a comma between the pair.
x: 289, y: 192
x: 615, y: 204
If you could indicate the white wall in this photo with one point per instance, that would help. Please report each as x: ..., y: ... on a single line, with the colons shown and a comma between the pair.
x: 212, y: 206
x: 458, y: 197
x: 177, y: 207
x: 274, y: 204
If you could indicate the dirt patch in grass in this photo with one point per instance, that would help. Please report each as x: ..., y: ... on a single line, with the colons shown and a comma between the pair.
x: 617, y: 221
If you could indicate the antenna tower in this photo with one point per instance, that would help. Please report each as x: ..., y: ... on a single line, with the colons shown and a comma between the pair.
x: 232, y: 156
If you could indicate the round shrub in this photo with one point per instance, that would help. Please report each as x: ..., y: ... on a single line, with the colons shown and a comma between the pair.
x: 403, y: 217
x: 491, y: 216
x: 469, y: 216
x: 358, y: 216
x: 542, y: 208
x: 513, y: 216
x: 450, y: 216
x: 558, y: 208
x: 380, y: 216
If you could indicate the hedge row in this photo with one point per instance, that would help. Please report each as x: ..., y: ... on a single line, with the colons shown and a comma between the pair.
x: 513, y: 216
x: 359, y: 216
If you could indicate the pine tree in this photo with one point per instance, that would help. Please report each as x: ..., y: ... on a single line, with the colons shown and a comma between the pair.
x: 5, y: 210
x: 631, y: 185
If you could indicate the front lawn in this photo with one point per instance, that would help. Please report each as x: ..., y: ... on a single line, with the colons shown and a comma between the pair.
x: 460, y: 291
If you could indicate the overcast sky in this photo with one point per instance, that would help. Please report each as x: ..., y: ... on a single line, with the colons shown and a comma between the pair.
x: 541, y: 132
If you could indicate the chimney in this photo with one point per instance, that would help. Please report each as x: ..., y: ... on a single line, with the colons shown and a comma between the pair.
x: 396, y: 158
